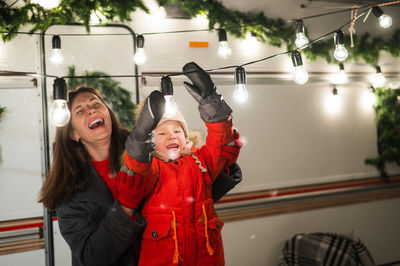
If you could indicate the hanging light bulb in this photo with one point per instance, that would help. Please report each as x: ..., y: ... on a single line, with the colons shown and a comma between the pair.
x: 368, y: 98
x: 340, y: 51
x: 167, y: 89
x: 224, y: 51
x: 378, y: 79
x: 56, y: 56
x: 47, y: 4
x: 59, y: 112
x: 140, y: 56
x: 385, y: 21
x: 341, y: 76
x: 332, y: 102
x: 300, y: 75
x: 301, y: 38
x: 240, y: 94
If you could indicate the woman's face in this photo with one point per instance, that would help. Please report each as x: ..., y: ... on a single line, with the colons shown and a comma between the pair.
x: 90, y: 119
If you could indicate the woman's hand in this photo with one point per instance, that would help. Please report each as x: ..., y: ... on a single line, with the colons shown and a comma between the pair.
x: 232, y: 149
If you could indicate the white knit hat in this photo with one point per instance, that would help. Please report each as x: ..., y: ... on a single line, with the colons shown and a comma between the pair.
x: 179, y: 118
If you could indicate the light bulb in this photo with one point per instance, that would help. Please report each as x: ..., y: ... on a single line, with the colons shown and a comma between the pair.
x: 301, y: 39
x: 300, y: 75
x: 240, y: 94
x: 340, y: 77
x: 56, y: 56
x: 224, y: 51
x: 340, y: 52
x: 385, y: 21
x: 368, y: 99
x: 59, y: 113
x: 140, y: 57
x: 332, y: 104
x: 170, y: 106
x: 378, y: 80
x: 47, y: 4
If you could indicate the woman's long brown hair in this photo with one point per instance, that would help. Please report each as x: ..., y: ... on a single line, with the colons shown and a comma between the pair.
x: 69, y: 169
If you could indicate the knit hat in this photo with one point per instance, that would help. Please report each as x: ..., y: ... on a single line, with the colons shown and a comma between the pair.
x: 179, y: 118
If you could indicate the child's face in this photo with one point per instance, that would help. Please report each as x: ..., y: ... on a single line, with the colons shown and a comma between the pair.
x: 170, y: 139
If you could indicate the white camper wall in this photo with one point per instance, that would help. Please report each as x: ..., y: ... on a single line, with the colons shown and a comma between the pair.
x: 290, y: 138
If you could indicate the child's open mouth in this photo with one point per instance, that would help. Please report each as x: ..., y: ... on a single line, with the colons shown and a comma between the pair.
x: 172, y: 146
x: 96, y: 123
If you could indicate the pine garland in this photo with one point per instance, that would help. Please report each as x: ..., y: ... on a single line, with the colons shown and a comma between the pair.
x: 275, y: 32
x: 387, y: 111
x: 69, y: 11
x: 118, y: 98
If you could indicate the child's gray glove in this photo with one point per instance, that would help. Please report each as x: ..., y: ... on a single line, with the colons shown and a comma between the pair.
x: 212, y: 106
x: 139, y: 145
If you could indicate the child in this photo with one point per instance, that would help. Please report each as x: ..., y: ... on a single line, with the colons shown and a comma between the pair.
x: 182, y: 225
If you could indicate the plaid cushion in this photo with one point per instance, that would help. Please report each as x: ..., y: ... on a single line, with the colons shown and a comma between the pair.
x: 325, y: 249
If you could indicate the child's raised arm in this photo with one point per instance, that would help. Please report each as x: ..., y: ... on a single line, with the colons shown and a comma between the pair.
x: 215, y: 112
x: 139, y: 145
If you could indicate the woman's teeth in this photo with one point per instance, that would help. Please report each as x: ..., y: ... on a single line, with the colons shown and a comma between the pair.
x: 96, y: 123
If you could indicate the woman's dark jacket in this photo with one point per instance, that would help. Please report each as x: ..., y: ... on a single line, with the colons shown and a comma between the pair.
x: 99, y: 232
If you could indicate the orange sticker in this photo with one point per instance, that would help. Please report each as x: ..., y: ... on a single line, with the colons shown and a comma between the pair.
x: 198, y: 44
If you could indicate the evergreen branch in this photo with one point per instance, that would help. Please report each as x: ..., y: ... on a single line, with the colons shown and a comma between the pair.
x: 387, y: 119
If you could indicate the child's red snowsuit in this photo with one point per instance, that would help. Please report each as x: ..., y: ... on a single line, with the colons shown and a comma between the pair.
x: 182, y: 226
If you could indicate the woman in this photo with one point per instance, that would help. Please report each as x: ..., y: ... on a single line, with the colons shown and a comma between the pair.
x: 95, y: 210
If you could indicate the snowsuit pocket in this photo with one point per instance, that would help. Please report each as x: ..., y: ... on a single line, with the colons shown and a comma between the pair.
x: 157, y: 245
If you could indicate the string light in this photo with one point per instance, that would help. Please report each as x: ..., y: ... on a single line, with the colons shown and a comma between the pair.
x: 385, y: 21
x: 56, y: 56
x: 368, y: 98
x: 300, y: 75
x: 301, y: 38
x: 140, y: 56
x: 340, y: 51
x: 59, y: 112
x: 250, y: 45
x: 224, y: 51
x: 341, y: 76
x: 378, y: 79
x: 167, y: 90
x: 240, y: 94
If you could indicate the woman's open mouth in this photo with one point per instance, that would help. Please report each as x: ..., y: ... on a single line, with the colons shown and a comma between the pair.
x: 96, y: 123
